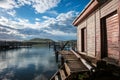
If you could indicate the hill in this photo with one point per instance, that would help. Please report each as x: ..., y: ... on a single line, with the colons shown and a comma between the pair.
x: 40, y: 40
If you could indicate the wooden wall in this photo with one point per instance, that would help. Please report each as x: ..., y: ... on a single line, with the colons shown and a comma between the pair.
x: 81, y: 26
x: 91, y: 35
x: 112, y: 26
x: 93, y: 25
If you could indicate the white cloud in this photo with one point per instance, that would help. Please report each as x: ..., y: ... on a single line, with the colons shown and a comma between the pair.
x: 42, y: 6
x: 9, y: 33
x: 53, y: 12
x: 11, y: 12
x: 45, y: 17
x: 59, y: 33
x: 3, y: 19
x: 8, y: 4
x: 24, y: 2
x: 19, y: 24
x: 61, y: 20
x: 65, y: 16
x: 37, y: 19
x: 23, y: 20
x: 58, y: 26
x: 16, y: 33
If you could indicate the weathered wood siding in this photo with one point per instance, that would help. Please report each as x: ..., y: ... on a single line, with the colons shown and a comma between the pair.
x: 91, y: 35
x: 109, y: 7
x: 98, y: 33
x: 92, y: 23
x: 112, y: 26
x: 81, y: 26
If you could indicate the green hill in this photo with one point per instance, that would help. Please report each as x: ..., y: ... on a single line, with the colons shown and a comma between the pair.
x: 40, y: 40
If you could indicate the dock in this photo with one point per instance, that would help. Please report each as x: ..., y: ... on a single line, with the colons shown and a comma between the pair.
x: 5, y: 45
x: 71, y: 67
x: 75, y: 67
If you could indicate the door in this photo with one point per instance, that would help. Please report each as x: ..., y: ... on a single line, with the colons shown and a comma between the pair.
x: 112, y: 35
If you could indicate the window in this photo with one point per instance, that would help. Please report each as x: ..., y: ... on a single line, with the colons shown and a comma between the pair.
x: 83, y: 40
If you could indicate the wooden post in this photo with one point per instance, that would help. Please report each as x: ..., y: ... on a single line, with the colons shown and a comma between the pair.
x: 56, y: 56
x: 62, y: 48
x: 62, y: 60
x: 54, y: 46
x: 49, y: 45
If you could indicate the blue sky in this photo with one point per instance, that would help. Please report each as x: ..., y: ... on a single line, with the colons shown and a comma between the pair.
x: 27, y: 19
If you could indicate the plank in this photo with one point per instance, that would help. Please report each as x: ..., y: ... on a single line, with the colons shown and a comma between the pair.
x: 69, y: 57
x: 64, y: 52
x: 56, y: 77
x: 67, y: 69
x: 62, y: 75
x: 77, y: 66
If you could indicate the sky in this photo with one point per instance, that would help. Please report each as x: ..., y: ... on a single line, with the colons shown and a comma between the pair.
x: 27, y: 19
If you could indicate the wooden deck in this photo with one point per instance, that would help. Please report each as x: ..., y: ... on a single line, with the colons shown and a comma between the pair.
x: 63, y: 52
x: 77, y: 66
x: 74, y: 63
x: 71, y: 65
x: 69, y: 57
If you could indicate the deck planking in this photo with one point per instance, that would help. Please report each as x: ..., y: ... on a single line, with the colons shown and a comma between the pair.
x: 73, y: 62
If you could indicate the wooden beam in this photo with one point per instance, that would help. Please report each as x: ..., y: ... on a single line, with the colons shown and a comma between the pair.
x: 56, y: 77
x: 64, y: 45
x: 62, y: 75
x: 67, y: 69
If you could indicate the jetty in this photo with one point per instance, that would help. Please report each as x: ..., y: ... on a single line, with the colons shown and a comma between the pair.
x: 71, y: 66
x: 76, y: 66
x: 5, y: 45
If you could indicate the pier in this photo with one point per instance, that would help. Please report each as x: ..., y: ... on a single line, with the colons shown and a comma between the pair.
x: 71, y: 67
x: 5, y: 45
x: 74, y: 66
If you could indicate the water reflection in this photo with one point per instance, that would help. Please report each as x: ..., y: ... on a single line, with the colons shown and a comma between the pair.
x: 37, y: 63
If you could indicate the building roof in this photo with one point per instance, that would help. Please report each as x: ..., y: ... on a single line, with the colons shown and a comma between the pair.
x: 92, y: 6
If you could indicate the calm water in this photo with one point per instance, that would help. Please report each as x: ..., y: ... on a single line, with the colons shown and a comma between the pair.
x: 37, y: 63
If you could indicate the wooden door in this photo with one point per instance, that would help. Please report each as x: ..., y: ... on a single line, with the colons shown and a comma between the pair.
x: 112, y: 30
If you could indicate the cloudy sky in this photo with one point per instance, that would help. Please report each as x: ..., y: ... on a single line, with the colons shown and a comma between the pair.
x: 26, y: 19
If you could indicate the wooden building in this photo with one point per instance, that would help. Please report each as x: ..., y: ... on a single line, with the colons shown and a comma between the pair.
x: 98, y: 30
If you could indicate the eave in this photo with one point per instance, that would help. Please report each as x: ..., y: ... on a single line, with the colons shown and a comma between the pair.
x: 92, y: 6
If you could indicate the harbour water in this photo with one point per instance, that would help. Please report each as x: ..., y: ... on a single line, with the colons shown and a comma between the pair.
x: 36, y: 63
